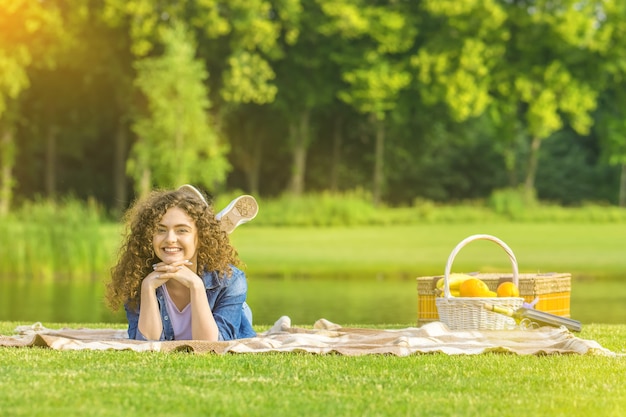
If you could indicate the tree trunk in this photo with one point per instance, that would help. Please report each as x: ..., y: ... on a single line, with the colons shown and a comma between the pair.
x: 622, y: 187
x: 510, y: 166
x: 336, y: 156
x: 529, y: 184
x: 119, y: 168
x: 379, y: 174
x: 253, y: 173
x: 299, y: 132
x: 145, y: 184
x: 7, y: 161
x: 51, y: 165
x: 249, y: 156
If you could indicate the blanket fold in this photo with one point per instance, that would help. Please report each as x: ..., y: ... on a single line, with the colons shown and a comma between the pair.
x: 325, y: 337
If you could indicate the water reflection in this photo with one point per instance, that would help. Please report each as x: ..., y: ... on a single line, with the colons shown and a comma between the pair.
x: 349, y: 301
x: 60, y: 302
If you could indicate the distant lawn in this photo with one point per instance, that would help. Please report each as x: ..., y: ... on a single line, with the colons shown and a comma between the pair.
x: 591, y: 250
x: 588, y: 249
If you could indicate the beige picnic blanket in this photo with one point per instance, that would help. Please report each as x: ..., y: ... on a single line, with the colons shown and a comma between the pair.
x: 326, y: 337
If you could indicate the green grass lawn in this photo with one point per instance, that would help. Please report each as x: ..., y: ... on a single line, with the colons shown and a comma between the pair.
x: 44, y: 382
x: 421, y: 250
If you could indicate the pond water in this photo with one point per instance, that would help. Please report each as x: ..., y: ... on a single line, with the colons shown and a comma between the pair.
x: 344, y: 301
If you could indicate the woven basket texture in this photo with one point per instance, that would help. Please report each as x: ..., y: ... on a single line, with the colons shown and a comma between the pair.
x: 468, y: 313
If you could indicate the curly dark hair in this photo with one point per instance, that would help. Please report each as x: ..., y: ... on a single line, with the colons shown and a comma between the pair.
x: 136, y: 255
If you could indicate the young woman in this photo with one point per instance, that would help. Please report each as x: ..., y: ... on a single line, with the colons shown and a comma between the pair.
x: 177, y: 273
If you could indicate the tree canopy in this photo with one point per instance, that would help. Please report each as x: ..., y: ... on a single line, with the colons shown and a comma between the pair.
x: 429, y: 99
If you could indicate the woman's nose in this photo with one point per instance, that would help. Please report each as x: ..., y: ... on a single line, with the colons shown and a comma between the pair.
x: 171, y: 236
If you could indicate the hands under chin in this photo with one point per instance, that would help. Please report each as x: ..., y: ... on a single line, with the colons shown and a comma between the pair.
x: 178, y: 271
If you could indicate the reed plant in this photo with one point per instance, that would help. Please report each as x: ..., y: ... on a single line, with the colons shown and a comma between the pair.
x: 350, y: 208
x: 46, y: 239
x: 354, y: 208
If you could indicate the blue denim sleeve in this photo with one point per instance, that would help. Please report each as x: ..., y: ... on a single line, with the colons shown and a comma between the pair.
x: 228, y: 307
x: 132, y: 316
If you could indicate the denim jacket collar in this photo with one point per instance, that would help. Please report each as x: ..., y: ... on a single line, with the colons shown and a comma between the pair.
x: 212, y: 280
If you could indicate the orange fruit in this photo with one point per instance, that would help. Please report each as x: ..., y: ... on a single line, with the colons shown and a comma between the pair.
x: 507, y: 289
x: 473, y: 287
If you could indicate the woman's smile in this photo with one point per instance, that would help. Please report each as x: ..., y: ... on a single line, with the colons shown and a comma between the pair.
x: 171, y: 250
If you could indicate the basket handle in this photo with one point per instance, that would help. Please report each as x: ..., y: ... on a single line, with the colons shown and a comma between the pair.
x: 446, y: 277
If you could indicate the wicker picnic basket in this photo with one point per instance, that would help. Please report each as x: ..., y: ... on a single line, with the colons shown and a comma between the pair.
x: 549, y: 291
x: 468, y: 313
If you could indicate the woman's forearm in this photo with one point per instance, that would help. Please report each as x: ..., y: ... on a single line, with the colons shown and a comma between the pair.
x: 149, y: 324
x: 203, y: 326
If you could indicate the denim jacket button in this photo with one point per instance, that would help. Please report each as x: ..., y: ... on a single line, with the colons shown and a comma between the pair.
x: 166, y: 318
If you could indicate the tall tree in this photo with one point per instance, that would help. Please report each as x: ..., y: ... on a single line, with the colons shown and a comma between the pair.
x: 27, y: 29
x: 298, y: 102
x: 462, y: 42
x: 235, y: 37
x: 247, y: 78
x: 373, y: 63
x: 527, y: 62
x: 611, y: 116
x: 176, y: 141
x: 552, y: 81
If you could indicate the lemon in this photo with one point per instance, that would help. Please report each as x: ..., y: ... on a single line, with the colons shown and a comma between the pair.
x: 473, y: 287
x: 507, y: 289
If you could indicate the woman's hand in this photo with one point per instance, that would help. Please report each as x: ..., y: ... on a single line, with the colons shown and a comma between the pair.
x: 150, y: 325
x: 179, y: 271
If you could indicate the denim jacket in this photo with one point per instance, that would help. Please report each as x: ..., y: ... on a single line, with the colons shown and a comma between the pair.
x: 227, y: 300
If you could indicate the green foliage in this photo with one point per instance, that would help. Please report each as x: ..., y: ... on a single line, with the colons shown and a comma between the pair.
x: 355, y: 209
x: 511, y: 202
x: 254, y: 35
x: 248, y: 80
x: 565, y: 94
x: 13, y: 78
x: 251, y: 25
x: 456, y: 70
x: 176, y: 140
x: 523, y: 71
x: 145, y: 17
x: 30, y: 35
x: 374, y: 90
x: 27, y: 28
x: 289, y: 12
x: 612, y: 132
x: 560, y: 86
x: 515, y: 63
x: 569, y: 173
x: 323, y: 209
x: 373, y: 74
x: 429, y: 212
x: 388, y: 25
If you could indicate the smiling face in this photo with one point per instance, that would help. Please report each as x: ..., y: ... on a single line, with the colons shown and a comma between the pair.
x: 176, y: 237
